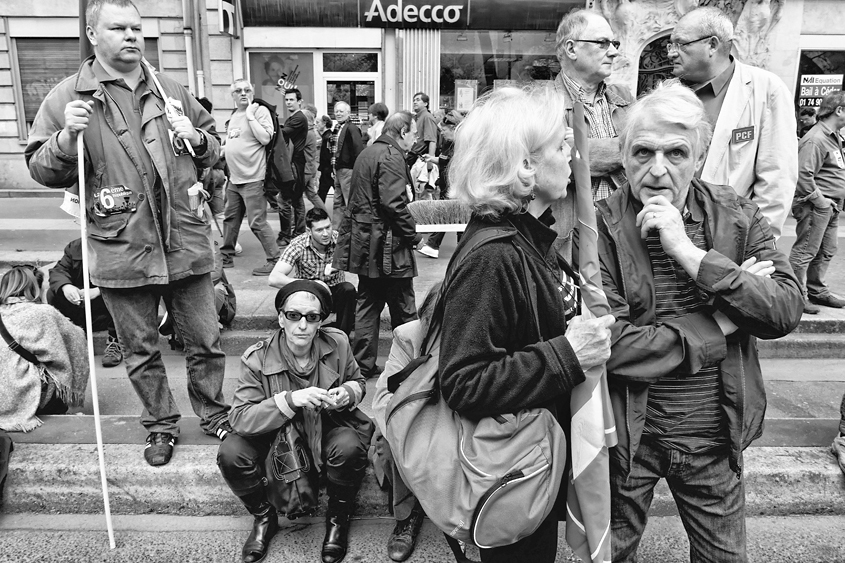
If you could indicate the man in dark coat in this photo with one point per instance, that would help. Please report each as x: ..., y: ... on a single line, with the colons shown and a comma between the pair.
x: 347, y: 144
x: 377, y: 237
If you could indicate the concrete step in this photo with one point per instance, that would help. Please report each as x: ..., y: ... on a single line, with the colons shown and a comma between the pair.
x: 804, y: 345
x: 64, y: 478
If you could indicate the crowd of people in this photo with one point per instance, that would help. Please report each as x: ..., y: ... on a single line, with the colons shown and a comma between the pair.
x: 691, y: 183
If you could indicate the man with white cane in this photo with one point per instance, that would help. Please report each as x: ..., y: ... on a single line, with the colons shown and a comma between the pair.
x: 144, y: 136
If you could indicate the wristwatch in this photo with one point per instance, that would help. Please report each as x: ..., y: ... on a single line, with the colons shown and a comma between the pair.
x: 203, y: 143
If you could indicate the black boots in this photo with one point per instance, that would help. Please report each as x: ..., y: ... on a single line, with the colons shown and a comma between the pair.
x: 400, y: 546
x: 341, y: 499
x: 263, y: 529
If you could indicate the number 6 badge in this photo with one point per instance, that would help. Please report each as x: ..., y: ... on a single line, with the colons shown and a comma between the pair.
x: 111, y: 200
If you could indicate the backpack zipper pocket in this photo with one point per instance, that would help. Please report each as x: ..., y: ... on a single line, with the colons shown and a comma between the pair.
x: 511, y: 477
x: 411, y: 398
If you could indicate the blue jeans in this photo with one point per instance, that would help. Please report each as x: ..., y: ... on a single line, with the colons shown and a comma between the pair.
x: 815, y: 246
x: 135, y: 314
x: 247, y: 199
x: 709, y: 496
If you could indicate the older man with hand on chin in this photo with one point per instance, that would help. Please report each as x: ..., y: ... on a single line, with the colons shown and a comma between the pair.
x: 693, y: 277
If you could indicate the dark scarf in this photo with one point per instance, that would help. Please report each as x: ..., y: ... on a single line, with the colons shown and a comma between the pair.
x: 303, y: 377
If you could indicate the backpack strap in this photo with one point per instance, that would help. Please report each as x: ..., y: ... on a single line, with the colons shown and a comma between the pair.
x: 15, y: 346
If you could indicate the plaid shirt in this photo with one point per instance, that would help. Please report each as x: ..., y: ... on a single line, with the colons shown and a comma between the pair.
x: 601, y: 127
x: 335, y: 133
x: 310, y: 264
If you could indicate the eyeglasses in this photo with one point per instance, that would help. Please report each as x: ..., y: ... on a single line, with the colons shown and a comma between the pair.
x: 295, y: 316
x: 243, y: 90
x: 677, y: 46
x: 603, y: 44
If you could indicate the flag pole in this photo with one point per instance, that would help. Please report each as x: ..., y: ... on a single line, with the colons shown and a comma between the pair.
x: 85, y: 51
x: 593, y: 426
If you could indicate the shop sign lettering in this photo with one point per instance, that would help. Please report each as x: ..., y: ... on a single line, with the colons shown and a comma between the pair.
x: 813, y: 87
x: 397, y: 13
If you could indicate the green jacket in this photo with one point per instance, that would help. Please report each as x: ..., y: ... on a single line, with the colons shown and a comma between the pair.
x: 143, y: 247
x: 644, y: 350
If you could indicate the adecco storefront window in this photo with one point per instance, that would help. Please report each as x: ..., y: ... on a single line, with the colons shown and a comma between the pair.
x: 274, y: 71
x: 491, y: 57
x: 819, y: 72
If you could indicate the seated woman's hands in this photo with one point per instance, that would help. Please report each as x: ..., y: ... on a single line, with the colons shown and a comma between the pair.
x: 317, y: 397
x: 590, y: 339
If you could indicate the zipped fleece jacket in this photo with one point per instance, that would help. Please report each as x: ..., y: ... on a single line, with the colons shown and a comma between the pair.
x: 644, y: 350
x: 144, y: 247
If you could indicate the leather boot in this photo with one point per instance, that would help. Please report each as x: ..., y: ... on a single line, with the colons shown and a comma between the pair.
x: 338, y: 515
x: 401, y: 543
x: 264, y: 527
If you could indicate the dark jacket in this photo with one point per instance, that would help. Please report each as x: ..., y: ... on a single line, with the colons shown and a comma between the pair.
x: 495, y: 361
x: 144, y: 247
x: 644, y: 350
x: 295, y: 131
x: 256, y: 408
x: 68, y: 270
x: 326, y: 152
x: 349, y: 145
x: 377, y: 233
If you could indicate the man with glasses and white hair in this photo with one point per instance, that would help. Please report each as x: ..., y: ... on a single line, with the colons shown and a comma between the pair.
x: 754, y: 149
x: 586, y: 49
x: 693, y: 279
x: 248, y: 131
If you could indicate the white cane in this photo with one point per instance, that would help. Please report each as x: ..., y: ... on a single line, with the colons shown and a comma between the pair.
x: 86, y: 285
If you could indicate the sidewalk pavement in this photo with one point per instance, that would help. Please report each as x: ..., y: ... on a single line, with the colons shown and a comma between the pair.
x: 54, y: 468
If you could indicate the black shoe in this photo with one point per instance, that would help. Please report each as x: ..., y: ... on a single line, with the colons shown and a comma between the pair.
x: 810, y: 309
x: 159, y: 448
x: 264, y: 527
x: 228, y: 262
x: 828, y: 300
x: 400, y: 546
x: 113, y: 354
x: 336, y: 541
x: 376, y: 371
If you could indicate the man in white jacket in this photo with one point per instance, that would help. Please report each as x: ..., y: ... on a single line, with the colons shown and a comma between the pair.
x: 754, y: 148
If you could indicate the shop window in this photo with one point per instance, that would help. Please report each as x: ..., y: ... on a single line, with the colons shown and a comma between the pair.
x: 274, y: 72
x: 655, y: 65
x: 359, y: 94
x: 43, y: 63
x: 350, y: 62
x: 494, y: 58
x: 819, y: 72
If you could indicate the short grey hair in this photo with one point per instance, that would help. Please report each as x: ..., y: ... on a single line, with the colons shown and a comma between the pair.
x: 92, y: 11
x: 830, y: 102
x: 712, y: 22
x: 673, y: 103
x: 495, y: 146
x: 342, y: 103
x: 237, y: 81
x: 571, y: 27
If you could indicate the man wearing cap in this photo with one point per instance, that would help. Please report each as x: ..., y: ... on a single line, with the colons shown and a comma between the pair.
x: 319, y: 388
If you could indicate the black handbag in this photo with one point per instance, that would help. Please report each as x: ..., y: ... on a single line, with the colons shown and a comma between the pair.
x: 292, y: 480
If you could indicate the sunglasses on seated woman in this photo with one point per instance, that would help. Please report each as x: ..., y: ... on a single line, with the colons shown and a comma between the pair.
x: 295, y: 316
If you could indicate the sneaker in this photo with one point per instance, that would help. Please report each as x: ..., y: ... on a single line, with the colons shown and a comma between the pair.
x: 828, y: 300
x: 224, y: 430
x: 426, y: 250
x: 159, y: 448
x: 400, y: 546
x: 810, y: 309
x: 165, y: 327
x: 265, y: 269
x: 238, y: 248
x: 113, y: 354
x: 228, y: 262
x: 837, y: 448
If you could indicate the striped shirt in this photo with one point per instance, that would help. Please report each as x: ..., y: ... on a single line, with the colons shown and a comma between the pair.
x: 600, y: 119
x: 683, y: 410
x: 310, y: 264
x: 335, y: 134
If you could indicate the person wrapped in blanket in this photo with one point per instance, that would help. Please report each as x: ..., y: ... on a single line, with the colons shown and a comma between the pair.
x: 59, y: 376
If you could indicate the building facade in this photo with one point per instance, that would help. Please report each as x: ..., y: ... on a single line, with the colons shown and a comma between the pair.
x: 366, y: 51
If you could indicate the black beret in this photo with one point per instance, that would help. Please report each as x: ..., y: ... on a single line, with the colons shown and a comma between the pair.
x: 320, y: 291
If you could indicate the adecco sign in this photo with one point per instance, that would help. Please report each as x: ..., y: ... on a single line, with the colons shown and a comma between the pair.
x: 415, y: 14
